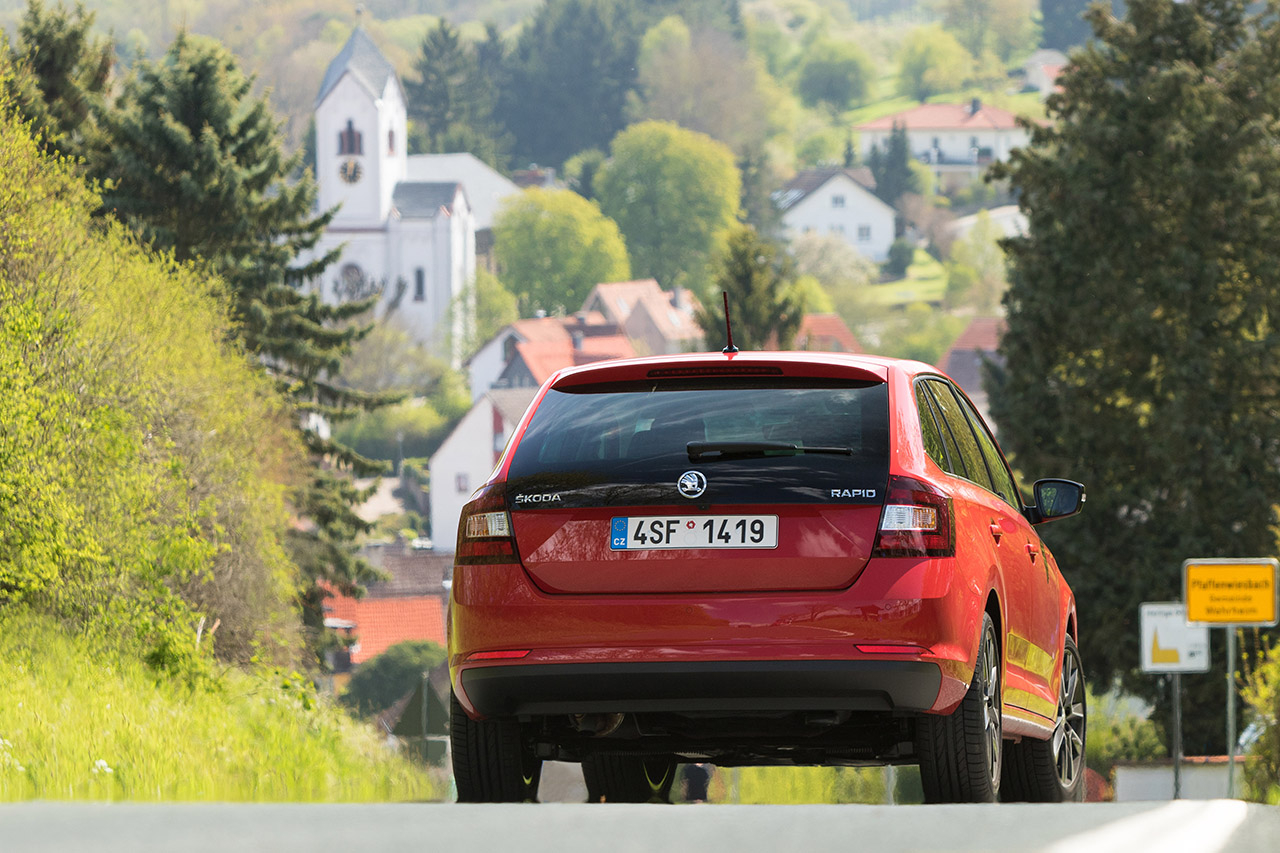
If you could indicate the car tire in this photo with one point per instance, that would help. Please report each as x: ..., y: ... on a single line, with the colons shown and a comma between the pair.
x: 960, y: 753
x: 492, y: 762
x: 1052, y: 771
x: 628, y: 778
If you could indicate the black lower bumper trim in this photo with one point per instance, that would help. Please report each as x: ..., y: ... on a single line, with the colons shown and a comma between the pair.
x: 498, y: 691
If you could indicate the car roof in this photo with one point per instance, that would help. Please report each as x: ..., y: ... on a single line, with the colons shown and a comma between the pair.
x: 827, y: 365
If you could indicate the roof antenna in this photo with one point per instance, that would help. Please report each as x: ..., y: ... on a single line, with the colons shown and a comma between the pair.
x: 728, y: 326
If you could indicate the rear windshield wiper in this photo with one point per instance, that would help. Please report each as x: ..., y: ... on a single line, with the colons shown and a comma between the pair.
x: 725, y: 449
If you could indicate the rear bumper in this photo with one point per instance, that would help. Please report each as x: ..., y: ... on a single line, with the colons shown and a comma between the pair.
x: 826, y: 685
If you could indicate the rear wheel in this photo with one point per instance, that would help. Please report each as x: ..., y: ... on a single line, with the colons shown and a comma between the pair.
x: 628, y: 778
x: 492, y: 762
x: 1052, y: 771
x: 960, y: 754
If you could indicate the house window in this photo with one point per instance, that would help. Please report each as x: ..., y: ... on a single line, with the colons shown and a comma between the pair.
x: 419, y: 285
x: 350, y: 140
x: 864, y: 233
x: 836, y: 229
x: 391, y: 142
x: 837, y: 201
x: 462, y: 483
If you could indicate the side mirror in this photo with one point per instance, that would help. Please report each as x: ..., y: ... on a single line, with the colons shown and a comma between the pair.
x: 1057, y: 499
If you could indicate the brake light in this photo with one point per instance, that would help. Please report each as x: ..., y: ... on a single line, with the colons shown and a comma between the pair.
x: 484, y: 532
x: 917, y: 521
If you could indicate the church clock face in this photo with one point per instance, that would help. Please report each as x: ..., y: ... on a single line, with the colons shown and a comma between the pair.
x: 351, y: 171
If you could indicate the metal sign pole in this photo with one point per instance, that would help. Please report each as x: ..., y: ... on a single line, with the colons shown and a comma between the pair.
x: 1177, y: 736
x: 1231, y: 712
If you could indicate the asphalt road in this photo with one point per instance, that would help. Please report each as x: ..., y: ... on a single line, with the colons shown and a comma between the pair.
x: 1168, y: 827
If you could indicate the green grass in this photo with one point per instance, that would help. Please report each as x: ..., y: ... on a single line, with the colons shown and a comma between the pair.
x: 78, y: 723
x: 926, y: 281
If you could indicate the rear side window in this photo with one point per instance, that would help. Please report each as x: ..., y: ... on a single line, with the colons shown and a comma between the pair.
x: 639, y: 434
x: 929, y: 429
x: 957, y: 425
x: 1000, y: 476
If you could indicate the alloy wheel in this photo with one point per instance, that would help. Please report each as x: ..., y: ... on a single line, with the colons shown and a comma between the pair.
x: 1068, y: 729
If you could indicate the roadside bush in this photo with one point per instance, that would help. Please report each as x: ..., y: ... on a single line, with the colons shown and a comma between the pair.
x: 379, y: 682
x: 143, y: 457
x: 1261, y: 692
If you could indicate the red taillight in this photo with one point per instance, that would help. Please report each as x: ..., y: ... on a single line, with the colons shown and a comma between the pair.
x: 484, y: 532
x: 917, y: 521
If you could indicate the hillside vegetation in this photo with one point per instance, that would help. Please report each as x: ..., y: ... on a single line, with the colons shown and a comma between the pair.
x: 142, y: 474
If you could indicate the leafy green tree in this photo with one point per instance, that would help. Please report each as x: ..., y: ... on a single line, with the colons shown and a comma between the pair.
x: 1004, y: 26
x: 673, y: 193
x: 380, y: 682
x: 193, y: 163
x: 764, y: 305
x: 978, y: 261
x: 892, y: 167
x: 553, y: 246
x: 1143, y: 355
x: 835, y: 74
x: 60, y: 75
x: 704, y: 80
x: 932, y: 61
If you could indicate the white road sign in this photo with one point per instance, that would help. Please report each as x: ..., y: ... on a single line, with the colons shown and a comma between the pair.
x: 1168, y: 643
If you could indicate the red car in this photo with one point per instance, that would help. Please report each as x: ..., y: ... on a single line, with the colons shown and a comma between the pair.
x: 761, y: 558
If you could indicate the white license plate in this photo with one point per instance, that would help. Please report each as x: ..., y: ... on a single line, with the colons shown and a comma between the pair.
x: 665, y: 532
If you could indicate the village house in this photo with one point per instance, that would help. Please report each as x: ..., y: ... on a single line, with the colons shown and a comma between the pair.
x: 958, y: 140
x: 839, y: 202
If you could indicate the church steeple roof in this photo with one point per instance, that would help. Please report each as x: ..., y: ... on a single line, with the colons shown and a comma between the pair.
x: 361, y: 58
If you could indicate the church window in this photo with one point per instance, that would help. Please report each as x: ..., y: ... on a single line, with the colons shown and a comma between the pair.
x: 419, y: 285
x: 391, y: 141
x: 350, y: 140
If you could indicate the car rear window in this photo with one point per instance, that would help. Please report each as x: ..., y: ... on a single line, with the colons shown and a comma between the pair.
x: 640, y: 433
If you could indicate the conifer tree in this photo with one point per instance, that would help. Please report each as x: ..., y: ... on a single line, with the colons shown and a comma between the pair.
x: 192, y: 161
x: 892, y: 167
x: 1143, y: 353
x: 452, y: 98
x: 764, y: 306
x: 60, y: 74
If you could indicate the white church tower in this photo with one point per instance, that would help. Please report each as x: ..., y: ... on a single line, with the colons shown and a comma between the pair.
x: 413, y: 242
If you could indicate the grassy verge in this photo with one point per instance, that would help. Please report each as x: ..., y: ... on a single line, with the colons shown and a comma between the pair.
x: 79, y: 723
x: 926, y: 281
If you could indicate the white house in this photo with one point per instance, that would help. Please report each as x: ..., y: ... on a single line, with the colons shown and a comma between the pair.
x: 466, y: 458
x: 1042, y: 69
x: 959, y: 140
x: 840, y: 202
x: 406, y: 227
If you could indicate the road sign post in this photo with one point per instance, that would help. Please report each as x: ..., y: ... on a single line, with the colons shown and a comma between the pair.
x: 1231, y: 593
x: 1170, y: 646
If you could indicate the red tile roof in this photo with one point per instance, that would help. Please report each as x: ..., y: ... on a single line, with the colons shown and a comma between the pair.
x: 826, y: 333
x: 546, y: 357
x: 382, y: 622
x: 617, y: 298
x: 674, y: 324
x: 553, y: 328
x: 982, y: 333
x: 946, y: 117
